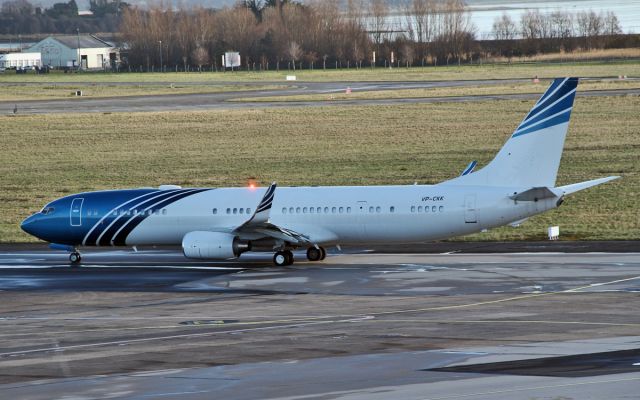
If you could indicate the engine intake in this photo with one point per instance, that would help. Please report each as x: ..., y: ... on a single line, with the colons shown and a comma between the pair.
x: 213, y: 245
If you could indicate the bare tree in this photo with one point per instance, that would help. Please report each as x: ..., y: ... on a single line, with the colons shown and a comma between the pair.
x: 295, y: 52
x: 504, y: 28
x: 17, y: 7
x: 200, y: 57
x: 420, y: 24
x: 378, y: 14
x: 611, y: 24
x: 590, y: 27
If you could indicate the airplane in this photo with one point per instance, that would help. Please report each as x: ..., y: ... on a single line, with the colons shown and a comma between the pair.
x: 223, y: 223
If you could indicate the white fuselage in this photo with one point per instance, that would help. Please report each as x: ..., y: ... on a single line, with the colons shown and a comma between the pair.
x: 346, y: 214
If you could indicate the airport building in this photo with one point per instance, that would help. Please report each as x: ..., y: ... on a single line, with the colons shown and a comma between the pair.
x: 65, y: 51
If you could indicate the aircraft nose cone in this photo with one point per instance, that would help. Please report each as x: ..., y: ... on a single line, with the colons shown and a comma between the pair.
x: 29, y: 225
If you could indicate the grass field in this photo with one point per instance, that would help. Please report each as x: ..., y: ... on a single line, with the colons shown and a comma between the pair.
x: 48, y: 156
x: 48, y: 91
x: 498, y: 89
x: 465, y: 72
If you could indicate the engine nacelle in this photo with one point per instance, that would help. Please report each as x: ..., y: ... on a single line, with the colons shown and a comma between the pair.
x: 213, y: 245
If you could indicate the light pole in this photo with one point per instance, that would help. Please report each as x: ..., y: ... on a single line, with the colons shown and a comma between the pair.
x: 79, y: 55
x: 160, y: 47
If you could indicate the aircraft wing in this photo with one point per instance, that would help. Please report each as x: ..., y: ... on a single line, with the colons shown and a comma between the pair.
x: 259, y: 225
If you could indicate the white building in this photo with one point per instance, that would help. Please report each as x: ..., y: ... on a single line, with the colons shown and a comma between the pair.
x: 64, y: 51
x: 19, y: 60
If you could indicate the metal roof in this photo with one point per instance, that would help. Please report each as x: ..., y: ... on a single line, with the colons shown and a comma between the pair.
x: 86, y: 41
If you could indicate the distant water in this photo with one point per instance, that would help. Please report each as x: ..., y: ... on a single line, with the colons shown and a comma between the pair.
x: 484, y: 12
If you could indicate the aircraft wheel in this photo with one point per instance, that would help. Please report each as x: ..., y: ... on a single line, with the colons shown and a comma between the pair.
x: 314, y: 254
x: 289, y: 256
x: 75, y: 258
x: 280, y: 259
x: 324, y: 253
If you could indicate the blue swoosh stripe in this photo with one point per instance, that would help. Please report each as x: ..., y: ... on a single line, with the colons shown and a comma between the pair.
x: 563, y: 104
x: 121, y: 198
x: 108, y: 231
x: 121, y: 238
x: 558, y: 119
x: 554, y: 85
x: 568, y: 86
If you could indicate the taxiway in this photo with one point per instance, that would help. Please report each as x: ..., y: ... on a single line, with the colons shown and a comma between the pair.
x: 360, y: 325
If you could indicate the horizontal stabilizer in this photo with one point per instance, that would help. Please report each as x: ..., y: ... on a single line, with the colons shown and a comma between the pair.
x: 534, y: 194
x: 576, y: 187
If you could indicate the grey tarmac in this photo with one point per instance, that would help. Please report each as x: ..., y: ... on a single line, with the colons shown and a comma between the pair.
x: 362, y: 325
x: 222, y: 101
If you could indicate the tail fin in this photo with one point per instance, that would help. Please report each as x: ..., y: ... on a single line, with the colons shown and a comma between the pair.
x: 531, y: 156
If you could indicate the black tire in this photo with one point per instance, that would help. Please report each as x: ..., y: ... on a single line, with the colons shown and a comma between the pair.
x: 289, y: 256
x: 324, y: 253
x: 280, y: 259
x: 75, y: 258
x: 314, y: 254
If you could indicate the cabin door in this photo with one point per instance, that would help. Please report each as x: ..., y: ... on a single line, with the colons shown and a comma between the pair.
x: 470, y: 216
x: 76, y: 212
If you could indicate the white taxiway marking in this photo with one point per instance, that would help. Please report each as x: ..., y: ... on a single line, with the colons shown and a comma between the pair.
x: 182, y: 336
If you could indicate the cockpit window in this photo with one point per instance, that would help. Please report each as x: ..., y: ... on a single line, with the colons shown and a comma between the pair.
x: 47, y: 210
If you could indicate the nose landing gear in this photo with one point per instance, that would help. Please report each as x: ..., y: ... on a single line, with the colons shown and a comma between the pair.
x: 75, y: 258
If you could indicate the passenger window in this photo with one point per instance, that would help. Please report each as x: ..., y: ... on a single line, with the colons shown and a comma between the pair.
x: 164, y: 211
x: 441, y: 208
x: 319, y: 210
x: 419, y: 208
x: 290, y: 210
x: 235, y: 211
x: 284, y: 210
x: 371, y: 209
x: 297, y: 210
x: 241, y: 211
x: 340, y: 210
x: 304, y: 210
x: 392, y: 209
x: 228, y: 211
x: 378, y: 209
x: 433, y: 209
x: 348, y: 210
x: 248, y: 210
x: 413, y: 208
x: 326, y: 210
x: 333, y: 210
x: 215, y: 211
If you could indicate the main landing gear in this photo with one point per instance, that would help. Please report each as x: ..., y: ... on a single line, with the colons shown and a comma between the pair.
x: 75, y: 258
x: 283, y: 258
x: 316, y: 253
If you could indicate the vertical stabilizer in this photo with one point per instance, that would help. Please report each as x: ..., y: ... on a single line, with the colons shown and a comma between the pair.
x: 531, y: 156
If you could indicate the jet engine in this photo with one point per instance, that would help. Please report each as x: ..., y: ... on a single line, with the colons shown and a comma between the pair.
x: 213, y: 245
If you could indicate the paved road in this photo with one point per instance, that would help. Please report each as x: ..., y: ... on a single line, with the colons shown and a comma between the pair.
x: 201, y: 101
x: 360, y: 325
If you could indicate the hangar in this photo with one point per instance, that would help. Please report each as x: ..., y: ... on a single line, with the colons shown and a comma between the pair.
x: 64, y: 51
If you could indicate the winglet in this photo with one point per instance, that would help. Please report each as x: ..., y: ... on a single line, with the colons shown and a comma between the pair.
x: 261, y: 215
x: 469, y: 169
x: 267, y: 199
x: 568, y: 189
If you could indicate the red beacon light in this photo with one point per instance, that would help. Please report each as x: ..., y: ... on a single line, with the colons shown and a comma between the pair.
x: 252, y: 184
